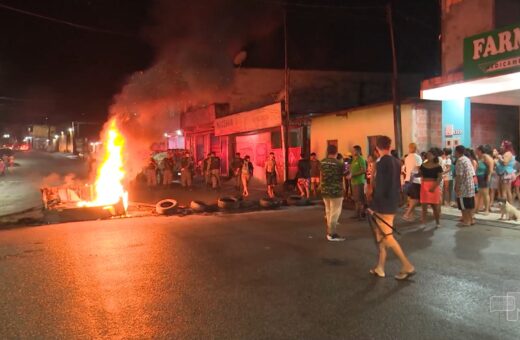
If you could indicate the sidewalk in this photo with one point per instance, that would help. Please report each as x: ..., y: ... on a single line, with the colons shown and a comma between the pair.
x: 493, y: 217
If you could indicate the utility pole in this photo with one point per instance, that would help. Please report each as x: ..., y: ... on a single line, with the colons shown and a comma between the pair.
x: 395, y: 85
x: 285, y: 117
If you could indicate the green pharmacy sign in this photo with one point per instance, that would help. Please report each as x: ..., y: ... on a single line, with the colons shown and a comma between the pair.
x: 492, y: 53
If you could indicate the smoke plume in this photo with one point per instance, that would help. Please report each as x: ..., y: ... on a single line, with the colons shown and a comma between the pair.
x: 195, y: 44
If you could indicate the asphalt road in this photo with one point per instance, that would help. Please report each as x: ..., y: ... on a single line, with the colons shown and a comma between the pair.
x: 263, y: 275
x: 20, y: 187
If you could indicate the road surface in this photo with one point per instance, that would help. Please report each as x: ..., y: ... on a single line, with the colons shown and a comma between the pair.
x: 262, y: 275
x: 20, y: 188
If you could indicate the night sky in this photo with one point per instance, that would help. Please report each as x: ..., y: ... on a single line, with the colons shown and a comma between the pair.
x: 50, y: 69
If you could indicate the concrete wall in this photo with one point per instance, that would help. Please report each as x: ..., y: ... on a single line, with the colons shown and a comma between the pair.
x: 353, y: 127
x: 315, y: 91
x: 460, y: 19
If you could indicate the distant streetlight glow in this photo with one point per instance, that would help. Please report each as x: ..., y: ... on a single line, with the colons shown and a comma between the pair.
x: 179, y: 132
x: 6, y: 135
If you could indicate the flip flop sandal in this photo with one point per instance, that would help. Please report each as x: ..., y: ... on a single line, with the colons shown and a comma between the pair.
x: 374, y: 272
x: 404, y: 275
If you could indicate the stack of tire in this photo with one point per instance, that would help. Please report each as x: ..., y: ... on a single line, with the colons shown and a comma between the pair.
x: 295, y: 200
x: 228, y: 203
x: 198, y: 207
x: 270, y: 203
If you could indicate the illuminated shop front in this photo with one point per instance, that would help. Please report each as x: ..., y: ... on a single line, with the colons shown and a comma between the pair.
x: 490, y: 75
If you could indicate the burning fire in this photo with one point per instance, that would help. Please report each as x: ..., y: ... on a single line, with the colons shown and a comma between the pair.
x: 109, y: 189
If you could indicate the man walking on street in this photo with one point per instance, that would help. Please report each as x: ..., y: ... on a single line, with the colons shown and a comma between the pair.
x: 315, y: 174
x: 271, y: 175
x: 358, y: 170
x: 303, y: 176
x: 168, y: 166
x: 412, y: 182
x: 205, y: 170
x: 383, y: 207
x: 236, y: 167
x: 464, y: 186
x: 186, y: 171
x: 332, y: 191
x: 214, y: 171
x: 151, y: 173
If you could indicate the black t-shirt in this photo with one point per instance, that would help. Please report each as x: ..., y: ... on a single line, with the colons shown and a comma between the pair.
x: 237, y: 163
x: 214, y: 163
x: 431, y: 173
x: 387, y: 187
x: 187, y: 163
x: 304, y: 169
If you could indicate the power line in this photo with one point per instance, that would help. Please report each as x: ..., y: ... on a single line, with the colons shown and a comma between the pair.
x: 60, y: 21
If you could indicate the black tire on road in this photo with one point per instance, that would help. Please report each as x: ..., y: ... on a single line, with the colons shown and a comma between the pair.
x: 228, y: 203
x: 270, y: 203
x: 166, y: 207
x: 198, y: 206
x: 296, y: 201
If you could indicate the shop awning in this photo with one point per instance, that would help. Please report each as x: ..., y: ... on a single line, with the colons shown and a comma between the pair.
x: 473, y: 88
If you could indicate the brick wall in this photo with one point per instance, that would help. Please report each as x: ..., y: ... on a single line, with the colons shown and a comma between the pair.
x: 428, y: 125
x: 491, y: 124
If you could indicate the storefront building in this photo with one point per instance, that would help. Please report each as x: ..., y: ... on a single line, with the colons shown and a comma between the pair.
x: 481, y: 65
x: 257, y: 133
x: 199, y: 134
x: 361, y: 126
x: 421, y: 122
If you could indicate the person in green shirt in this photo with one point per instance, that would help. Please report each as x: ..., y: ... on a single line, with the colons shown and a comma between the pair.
x: 358, y: 170
x: 332, y: 191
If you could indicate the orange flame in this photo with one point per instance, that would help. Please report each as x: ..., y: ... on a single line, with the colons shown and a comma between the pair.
x: 109, y: 189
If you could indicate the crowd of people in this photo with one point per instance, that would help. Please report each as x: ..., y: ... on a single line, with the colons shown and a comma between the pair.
x: 477, y: 179
x: 161, y: 173
x: 472, y: 180
x: 378, y: 185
